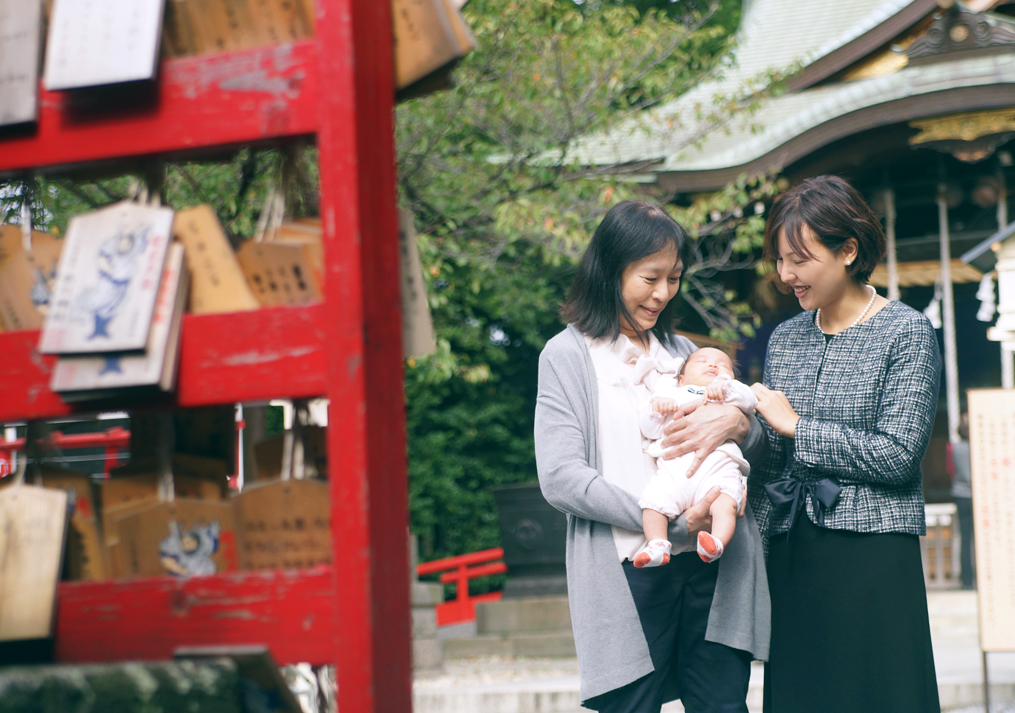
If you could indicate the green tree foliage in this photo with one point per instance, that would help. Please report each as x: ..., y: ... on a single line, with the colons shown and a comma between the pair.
x: 505, y: 210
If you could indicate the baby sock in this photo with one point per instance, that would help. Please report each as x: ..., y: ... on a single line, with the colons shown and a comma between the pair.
x: 709, y: 548
x: 654, y: 554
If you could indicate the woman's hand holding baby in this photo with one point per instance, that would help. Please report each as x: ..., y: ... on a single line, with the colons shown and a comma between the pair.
x: 701, y: 430
x: 776, y: 409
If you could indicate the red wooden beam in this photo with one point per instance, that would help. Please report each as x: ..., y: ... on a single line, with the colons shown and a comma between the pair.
x: 224, y: 358
x: 433, y: 566
x: 467, y: 573
x: 197, y: 102
x: 291, y: 612
x: 366, y: 434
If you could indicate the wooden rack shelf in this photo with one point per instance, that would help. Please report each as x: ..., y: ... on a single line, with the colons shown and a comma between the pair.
x: 224, y: 358
x: 338, y: 89
x: 291, y: 610
x: 217, y: 100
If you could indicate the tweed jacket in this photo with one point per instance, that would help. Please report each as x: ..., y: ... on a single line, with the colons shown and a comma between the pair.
x: 612, y: 650
x: 866, y: 401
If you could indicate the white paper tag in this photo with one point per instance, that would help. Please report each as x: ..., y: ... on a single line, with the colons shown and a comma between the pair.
x: 93, y: 42
x: 20, y: 32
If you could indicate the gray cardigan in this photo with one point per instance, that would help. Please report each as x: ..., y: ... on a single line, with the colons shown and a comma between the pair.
x: 612, y: 650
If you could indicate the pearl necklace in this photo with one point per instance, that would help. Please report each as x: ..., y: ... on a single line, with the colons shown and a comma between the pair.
x: 874, y: 296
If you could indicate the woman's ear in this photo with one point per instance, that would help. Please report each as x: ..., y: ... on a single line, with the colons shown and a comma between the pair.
x: 850, y: 251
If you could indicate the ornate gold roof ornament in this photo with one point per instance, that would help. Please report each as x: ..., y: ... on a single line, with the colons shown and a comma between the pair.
x: 969, y: 137
x: 957, y: 31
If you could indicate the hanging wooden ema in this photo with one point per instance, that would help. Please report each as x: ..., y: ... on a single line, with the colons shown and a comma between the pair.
x: 95, y: 42
x: 280, y: 273
x: 33, y: 524
x: 286, y: 523
x: 107, y: 280
x: 20, y: 32
x: 217, y: 282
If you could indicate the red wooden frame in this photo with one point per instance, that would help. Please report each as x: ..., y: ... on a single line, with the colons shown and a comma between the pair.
x: 198, y: 102
x: 340, y: 87
x: 269, y: 353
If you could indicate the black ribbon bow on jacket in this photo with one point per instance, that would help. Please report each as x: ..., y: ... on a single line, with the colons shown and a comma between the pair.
x: 823, y: 494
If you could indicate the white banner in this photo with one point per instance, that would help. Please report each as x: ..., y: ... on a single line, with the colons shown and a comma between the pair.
x: 992, y: 443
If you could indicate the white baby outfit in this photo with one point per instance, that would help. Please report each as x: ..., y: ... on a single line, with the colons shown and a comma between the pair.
x: 670, y: 491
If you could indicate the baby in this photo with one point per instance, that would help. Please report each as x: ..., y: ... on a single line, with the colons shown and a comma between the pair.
x: 707, y: 374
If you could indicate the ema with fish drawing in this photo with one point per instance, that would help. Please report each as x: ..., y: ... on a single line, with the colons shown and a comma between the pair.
x: 119, y: 260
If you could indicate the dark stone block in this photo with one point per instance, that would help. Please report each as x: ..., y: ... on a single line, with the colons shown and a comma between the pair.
x: 533, y: 535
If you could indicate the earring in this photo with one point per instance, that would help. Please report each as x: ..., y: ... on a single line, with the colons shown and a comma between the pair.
x: 849, y: 262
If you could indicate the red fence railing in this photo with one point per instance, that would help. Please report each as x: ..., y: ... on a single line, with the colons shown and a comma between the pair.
x: 463, y: 568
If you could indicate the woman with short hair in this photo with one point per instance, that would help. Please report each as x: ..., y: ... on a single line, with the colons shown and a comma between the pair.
x: 644, y: 636
x: 849, y: 396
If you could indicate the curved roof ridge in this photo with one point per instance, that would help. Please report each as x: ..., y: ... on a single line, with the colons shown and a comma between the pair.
x: 880, y: 15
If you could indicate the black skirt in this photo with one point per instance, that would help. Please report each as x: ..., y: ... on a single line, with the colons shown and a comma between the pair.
x: 850, y: 630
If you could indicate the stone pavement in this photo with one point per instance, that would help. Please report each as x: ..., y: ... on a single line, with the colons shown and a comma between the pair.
x: 517, y: 685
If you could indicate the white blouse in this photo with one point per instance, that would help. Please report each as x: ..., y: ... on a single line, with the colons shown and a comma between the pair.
x: 625, y: 376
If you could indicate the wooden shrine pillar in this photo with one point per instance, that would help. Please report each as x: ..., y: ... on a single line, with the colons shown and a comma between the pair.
x: 948, y: 316
x: 363, y: 342
x: 1007, y: 355
x: 893, y: 261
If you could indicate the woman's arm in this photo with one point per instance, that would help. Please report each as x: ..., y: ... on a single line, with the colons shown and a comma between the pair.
x: 567, y: 480
x: 891, y: 453
x: 774, y: 460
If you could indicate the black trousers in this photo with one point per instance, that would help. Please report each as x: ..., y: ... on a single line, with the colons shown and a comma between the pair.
x: 965, y: 513
x: 673, y: 603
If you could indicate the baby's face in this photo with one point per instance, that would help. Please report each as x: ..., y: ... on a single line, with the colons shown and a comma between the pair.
x: 704, y: 365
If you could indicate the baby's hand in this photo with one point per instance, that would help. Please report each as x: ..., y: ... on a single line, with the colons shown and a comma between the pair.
x: 666, y: 406
x: 715, y: 392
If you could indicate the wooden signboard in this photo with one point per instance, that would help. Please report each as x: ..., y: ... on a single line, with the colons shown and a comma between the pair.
x: 26, y: 278
x: 20, y: 34
x: 184, y: 538
x: 992, y: 444
x: 284, y: 524
x: 85, y: 556
x: 107, y: 281
x: 217, y: 283
x: 94, y: 42
x: 417, y: 322
x: 279, y: 274
x: 425, y: 39
x: 32, y: 529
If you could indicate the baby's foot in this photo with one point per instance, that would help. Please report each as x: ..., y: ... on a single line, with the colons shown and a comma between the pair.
x: 709, y: 548
x: 654, y: 554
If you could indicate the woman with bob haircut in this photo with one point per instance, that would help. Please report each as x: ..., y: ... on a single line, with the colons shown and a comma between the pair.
x: 644, y: 636
x: 848, y: 401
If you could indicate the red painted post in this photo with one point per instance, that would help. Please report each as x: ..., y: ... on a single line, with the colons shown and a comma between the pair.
x: 366, y: 435
x: 462, y: 588
x: 112, y: 458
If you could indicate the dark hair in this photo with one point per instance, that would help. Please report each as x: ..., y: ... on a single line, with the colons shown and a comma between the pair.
x: 630, y: 231
x: 835, y: 212
x: 733, y: 362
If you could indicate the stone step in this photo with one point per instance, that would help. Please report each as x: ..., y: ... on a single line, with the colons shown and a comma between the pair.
x: 550, y: 644
x: 523, y: 615
x: 560, y: 695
